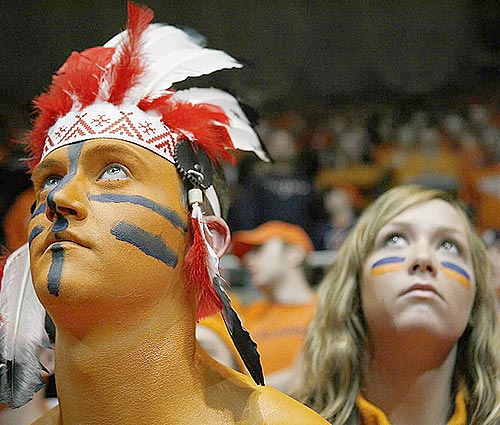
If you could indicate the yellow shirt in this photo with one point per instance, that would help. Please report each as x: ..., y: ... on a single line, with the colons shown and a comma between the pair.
x: 372, y: 415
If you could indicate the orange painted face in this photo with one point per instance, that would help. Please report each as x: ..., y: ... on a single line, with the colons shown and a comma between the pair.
x: 109, y: 225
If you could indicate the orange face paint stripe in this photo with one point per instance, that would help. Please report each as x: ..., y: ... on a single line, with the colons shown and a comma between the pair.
x: 388, y: 268
x: 387, y: 265
x: 456, y: 273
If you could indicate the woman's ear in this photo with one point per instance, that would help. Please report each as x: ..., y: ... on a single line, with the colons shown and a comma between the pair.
x: 219, y: 237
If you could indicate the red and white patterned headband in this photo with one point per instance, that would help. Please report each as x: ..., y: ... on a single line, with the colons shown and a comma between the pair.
x: 105, y: 120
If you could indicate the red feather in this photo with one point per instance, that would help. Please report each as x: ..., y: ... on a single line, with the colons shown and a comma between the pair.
x: 204, y: 121
x: 198, y: 277
x: 78, y: 76
x: 126, y: 71
x: 3, y: 260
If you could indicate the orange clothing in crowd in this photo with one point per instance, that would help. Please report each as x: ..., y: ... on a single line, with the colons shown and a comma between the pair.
x: 372, y: 415
x: 278, y: 330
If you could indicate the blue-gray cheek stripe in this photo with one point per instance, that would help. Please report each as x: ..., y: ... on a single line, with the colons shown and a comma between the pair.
x: 152, y: 245
x: 165, y: 212
x: 74, y: 151
x: 55, y: 271
x: 40, y: 210
x: 34, y: 233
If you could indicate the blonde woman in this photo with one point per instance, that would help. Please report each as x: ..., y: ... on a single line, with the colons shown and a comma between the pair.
x: 406, y: 330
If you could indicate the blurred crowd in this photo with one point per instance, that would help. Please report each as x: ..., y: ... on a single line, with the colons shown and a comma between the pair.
x: 328, y: 166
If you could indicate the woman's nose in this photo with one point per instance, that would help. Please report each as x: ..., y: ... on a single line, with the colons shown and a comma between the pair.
x: 422, y: 259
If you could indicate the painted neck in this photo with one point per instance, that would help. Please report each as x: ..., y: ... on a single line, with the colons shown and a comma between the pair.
x: 130, y: 372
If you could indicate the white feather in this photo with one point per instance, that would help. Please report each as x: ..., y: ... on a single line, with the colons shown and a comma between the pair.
x: 22, y: 330
x: 171, y: 56
x: 178, y: 65
x: 240, y: 130
x: 158, y: 39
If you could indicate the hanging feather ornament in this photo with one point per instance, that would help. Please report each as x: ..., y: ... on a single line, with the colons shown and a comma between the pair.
x: 202, y: 262
x: 247, y: 348
x: 22, y: 332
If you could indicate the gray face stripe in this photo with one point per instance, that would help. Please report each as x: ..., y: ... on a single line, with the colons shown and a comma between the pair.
x: 165, y: 212
x: 152, y: 245
x: 40, y: 210
x: 34, y: 233
x: 74, y: 151
x: 55, y: 271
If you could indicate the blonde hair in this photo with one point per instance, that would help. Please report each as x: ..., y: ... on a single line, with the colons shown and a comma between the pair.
x: 336, y: 341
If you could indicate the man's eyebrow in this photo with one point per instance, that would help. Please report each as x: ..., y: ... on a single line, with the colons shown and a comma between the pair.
x: 109, y: 148
x: 43, y: 166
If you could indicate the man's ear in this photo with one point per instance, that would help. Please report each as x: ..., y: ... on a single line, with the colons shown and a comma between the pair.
x: 219, y: 237
x: 295, y: 255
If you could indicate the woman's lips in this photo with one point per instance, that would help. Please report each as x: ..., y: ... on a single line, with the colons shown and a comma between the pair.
x: 423, y: 289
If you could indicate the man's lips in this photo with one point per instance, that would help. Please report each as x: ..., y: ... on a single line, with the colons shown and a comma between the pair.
x: 64, y: 238
x: 422, y: 288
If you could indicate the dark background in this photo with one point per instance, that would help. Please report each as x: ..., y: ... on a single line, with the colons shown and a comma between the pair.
x: 310, y: 52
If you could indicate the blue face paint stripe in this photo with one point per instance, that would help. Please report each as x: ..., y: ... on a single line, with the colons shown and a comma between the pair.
x: 55, y: 271
x: 40, y: 210
x: 34, y: 233
x: 456, y: 268
x: 152, y: 245
x: 74, y: 151
x: 388, y: 260
x: 165, y: 212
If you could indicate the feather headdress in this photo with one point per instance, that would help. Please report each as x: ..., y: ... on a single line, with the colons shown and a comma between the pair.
x: 123, y: 90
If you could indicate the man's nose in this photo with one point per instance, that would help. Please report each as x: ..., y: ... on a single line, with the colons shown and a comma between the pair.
x: 67, y: 199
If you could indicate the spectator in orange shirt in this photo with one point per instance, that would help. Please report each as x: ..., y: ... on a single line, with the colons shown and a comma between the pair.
x: 274, y: 254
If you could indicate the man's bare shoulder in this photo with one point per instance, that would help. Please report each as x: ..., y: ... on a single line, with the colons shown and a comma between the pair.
x: 228, y: 397
x: 278, y: 408
x: 251, y: 403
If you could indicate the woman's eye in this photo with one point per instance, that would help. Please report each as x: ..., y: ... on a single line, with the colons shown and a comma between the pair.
x: 395, y: 240
x: 450, y: 246
x: 50, y: 182
x: 114, y: 172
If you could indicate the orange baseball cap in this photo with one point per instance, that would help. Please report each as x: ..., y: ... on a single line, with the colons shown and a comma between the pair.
x: 244, y: 241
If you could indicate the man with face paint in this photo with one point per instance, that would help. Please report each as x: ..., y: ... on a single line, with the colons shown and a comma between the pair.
x: 120, y: 259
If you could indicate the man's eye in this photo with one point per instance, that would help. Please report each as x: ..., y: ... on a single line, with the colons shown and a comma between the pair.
x: 50, y: 182
x: 450, y: 246
x: 394, y: 240
x: 114, y: 172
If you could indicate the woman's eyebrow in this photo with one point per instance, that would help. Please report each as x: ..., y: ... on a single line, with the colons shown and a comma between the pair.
x: 450, y: 230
